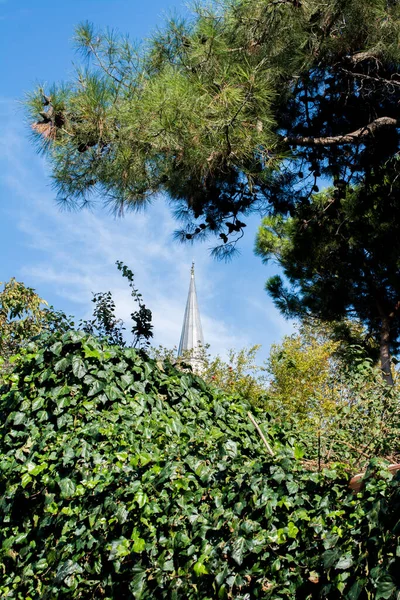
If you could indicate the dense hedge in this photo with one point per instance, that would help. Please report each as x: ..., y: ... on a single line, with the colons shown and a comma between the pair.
x: 124, y: 478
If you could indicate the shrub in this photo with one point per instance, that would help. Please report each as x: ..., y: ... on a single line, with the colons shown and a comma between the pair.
x: 122, y: 477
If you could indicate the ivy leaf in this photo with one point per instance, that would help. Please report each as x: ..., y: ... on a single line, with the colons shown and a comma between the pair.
x: 95, y: 388
x: 62, y: 364
x: 298, y: 452
x: 385, y: 589
x: 56, y: 348
x: 113, y: 392
x: 238, y: 549
x: 119, y: 548
x: 231, y: 448
x: 76, y: 336
x: 292, y: 530
x: 276, y: 565
x: 139, y: 543
x: 126, y: 380
x: 330, y: 557
x: 141, y: 498
x: 66, y: 569
x: 345, y: 562
x: 25, y: 480
x: 91, y: 352
x: 37, y: 403
x: 79, y: 368
x: 199, y: 568
x: 292, y: 487
x: 137, y: 584
x: 19, y: 418
x: 355, y: 591
x: 67, y: 487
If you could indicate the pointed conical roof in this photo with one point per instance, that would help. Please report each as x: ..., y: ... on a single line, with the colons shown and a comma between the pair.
x: 192, y: 333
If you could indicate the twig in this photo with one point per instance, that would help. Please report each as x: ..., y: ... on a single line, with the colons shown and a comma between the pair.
x: 356, y: 449
x: 262, y: 436
x: 319, y: 448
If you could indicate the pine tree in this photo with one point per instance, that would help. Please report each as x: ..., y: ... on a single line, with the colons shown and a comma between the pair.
x: 341, y: 256
x: 242, y: 108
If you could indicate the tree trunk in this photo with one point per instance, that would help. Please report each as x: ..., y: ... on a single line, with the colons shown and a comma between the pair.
x: 384, y: 350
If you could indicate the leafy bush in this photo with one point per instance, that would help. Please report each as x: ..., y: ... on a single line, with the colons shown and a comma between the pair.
x: 239, y: 375
x: 122, y: 477
x: 23, y: 314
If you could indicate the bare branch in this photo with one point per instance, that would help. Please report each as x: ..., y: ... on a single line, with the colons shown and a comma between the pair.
x: 355, y: 137
x: 381, y: 80
x: 260, y: 433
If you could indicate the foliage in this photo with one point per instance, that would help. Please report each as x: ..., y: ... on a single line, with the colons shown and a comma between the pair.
x: 329, y: 392
x: 248, y: 103
x: 23, y: 315
x: 239, y: 375
x: 142, y: 329
x: 105, y: 324
x: 124, y: 478
x: 305, y: 375
x: 334, y: 397
x: 364, y: 421
x: 341, y: 257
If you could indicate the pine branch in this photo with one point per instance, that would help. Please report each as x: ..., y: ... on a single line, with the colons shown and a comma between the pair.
x: 355, y: 137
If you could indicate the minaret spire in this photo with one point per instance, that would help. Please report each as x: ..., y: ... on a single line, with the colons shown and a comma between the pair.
x: 192, y: 333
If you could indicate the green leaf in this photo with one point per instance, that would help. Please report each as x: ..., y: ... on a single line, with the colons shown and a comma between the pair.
x: 37, y: 403
x: 119, y: 548
x: 138, y: 543
x: 39, y: 468
x: 278, y: 474
x: 385, y: 589
x: 238, y: 549
x: 345, y: 562
x: 330, y: 557
x: 355, y: 591
x: 292, y: 530
x: 199, y: 568
x: 41, y: 565
x: 76, y: 336
x: 95, y: 388
x: 92, y: 352
x: 126, y: 380
x: 25, y: 480
x: 298, y: 452
x: 67, y: 487
x: 56, y: 348
x: 137, y: 584
x: 292, y: 487
x: 62, y: 364
x: 19, y: 418
x: 231, y: 448
x: 113, y: 392
x: 67, y: 568
x: 141, y: 498
x: 78, y: 367
x: 276, y: 565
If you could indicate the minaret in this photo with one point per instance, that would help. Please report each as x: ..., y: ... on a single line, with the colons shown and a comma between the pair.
x: 192, y: 334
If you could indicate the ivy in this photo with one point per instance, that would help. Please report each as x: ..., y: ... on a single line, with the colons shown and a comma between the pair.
x: 121, y: 477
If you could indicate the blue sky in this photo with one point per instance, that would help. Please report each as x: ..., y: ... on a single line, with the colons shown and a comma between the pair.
x: 67, y: 256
